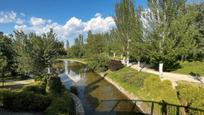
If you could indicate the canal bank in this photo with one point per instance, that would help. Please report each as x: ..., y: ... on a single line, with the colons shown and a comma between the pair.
x: 129, y: 95
x: 94, y: 91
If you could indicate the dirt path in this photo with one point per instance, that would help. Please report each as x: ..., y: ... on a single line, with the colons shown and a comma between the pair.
x: 17, y: 84
x: 173, y: 77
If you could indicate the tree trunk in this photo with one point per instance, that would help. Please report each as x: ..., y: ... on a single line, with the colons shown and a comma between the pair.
x: 114, y: 54
x: 127, y: 61
x: 48, y: 70
x: 121, y: 56
x: 185, y: 57
x: 182, y: 58
x: 138, y: 65
x: 160, y: 69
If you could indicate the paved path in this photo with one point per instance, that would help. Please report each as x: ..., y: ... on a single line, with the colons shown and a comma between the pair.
x: 20, y: 82
x: 173, y: 77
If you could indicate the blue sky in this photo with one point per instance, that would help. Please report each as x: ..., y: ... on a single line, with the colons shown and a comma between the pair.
x: 74, y: 16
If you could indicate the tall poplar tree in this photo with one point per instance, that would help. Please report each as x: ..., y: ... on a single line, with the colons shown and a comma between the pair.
x: 126, y: 22
x: 173, y: 31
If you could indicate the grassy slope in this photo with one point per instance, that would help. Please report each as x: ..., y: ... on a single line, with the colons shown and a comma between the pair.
x: 133, y: 81
x: 194, y: 67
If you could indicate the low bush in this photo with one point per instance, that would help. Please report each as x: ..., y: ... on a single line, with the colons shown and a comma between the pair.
x: 36, y: 88
x: 9, y: 94
x: 61, y: 105
x: 115, y: 65
x: 54, y: 85
x: 98, y: 62
x: 25, y: 101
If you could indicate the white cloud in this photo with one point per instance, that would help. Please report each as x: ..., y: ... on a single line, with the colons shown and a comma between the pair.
x: 72, y: 28
x: 100, y: 24
x: 37, y: 21
x: 22, y: 14
x: 10, y: 17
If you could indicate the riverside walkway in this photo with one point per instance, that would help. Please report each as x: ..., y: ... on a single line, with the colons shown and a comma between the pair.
x: 173, y: 77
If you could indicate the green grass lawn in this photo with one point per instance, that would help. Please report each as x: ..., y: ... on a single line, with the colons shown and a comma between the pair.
x: 191, y: 67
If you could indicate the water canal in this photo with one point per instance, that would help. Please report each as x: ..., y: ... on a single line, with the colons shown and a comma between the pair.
x: 94, y: 91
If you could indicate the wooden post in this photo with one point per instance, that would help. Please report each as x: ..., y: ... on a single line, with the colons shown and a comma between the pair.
x: 177, y: 110
x: 164, y: 108
x: 152, y: 108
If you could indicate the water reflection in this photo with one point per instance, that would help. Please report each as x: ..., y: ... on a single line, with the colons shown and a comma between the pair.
x: 92, y: 89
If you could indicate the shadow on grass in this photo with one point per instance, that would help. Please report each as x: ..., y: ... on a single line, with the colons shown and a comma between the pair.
x: 196, y: 76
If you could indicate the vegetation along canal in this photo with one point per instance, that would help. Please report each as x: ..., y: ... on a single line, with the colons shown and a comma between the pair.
x: 96, y: 94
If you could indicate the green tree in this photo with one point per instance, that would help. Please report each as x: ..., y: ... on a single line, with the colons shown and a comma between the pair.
x: 172, y: 31
x: 3, y: 63
x: 7, y: 56
x: 77, y: 50
x: 37, y: 52
x: 126, y: 23
x: 45, y: 49
x: 23, y: 49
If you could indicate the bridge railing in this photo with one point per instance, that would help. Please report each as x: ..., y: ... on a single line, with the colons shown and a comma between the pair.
x: 163, y: 108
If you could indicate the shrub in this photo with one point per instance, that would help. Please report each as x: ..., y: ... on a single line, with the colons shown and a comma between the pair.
x: 61, y: 105
x: 7, y: 97
x: 36, y: 88
x: 54, y: 85
x: 115, y: 65
x: 98, y: 62
x: 2, y: 93
x: 25, y: 101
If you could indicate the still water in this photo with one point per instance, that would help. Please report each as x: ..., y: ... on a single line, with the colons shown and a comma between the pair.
x: 98, y: 96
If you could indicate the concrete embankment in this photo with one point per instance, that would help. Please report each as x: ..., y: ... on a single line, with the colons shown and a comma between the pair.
x: 78, y: 105
x: 130, y: 96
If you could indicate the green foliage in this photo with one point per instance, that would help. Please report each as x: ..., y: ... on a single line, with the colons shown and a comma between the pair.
x: 54, y: 85
x: 36, y: 53
x: 23, y: 50
x: 77, y: 50
x: 38, y: 88
x: 127, y: 24
x: 173, y: 33
x: 61, y: 105
x: 24, y: 101
x: 34, y: 98
x: 7, y: 57
x: 98, y: 63
x: 191, y: 94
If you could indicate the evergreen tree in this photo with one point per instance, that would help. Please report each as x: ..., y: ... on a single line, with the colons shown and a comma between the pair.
x: 23, y: 49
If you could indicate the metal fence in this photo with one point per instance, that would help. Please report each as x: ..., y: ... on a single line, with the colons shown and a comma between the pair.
x: 163, y: 108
